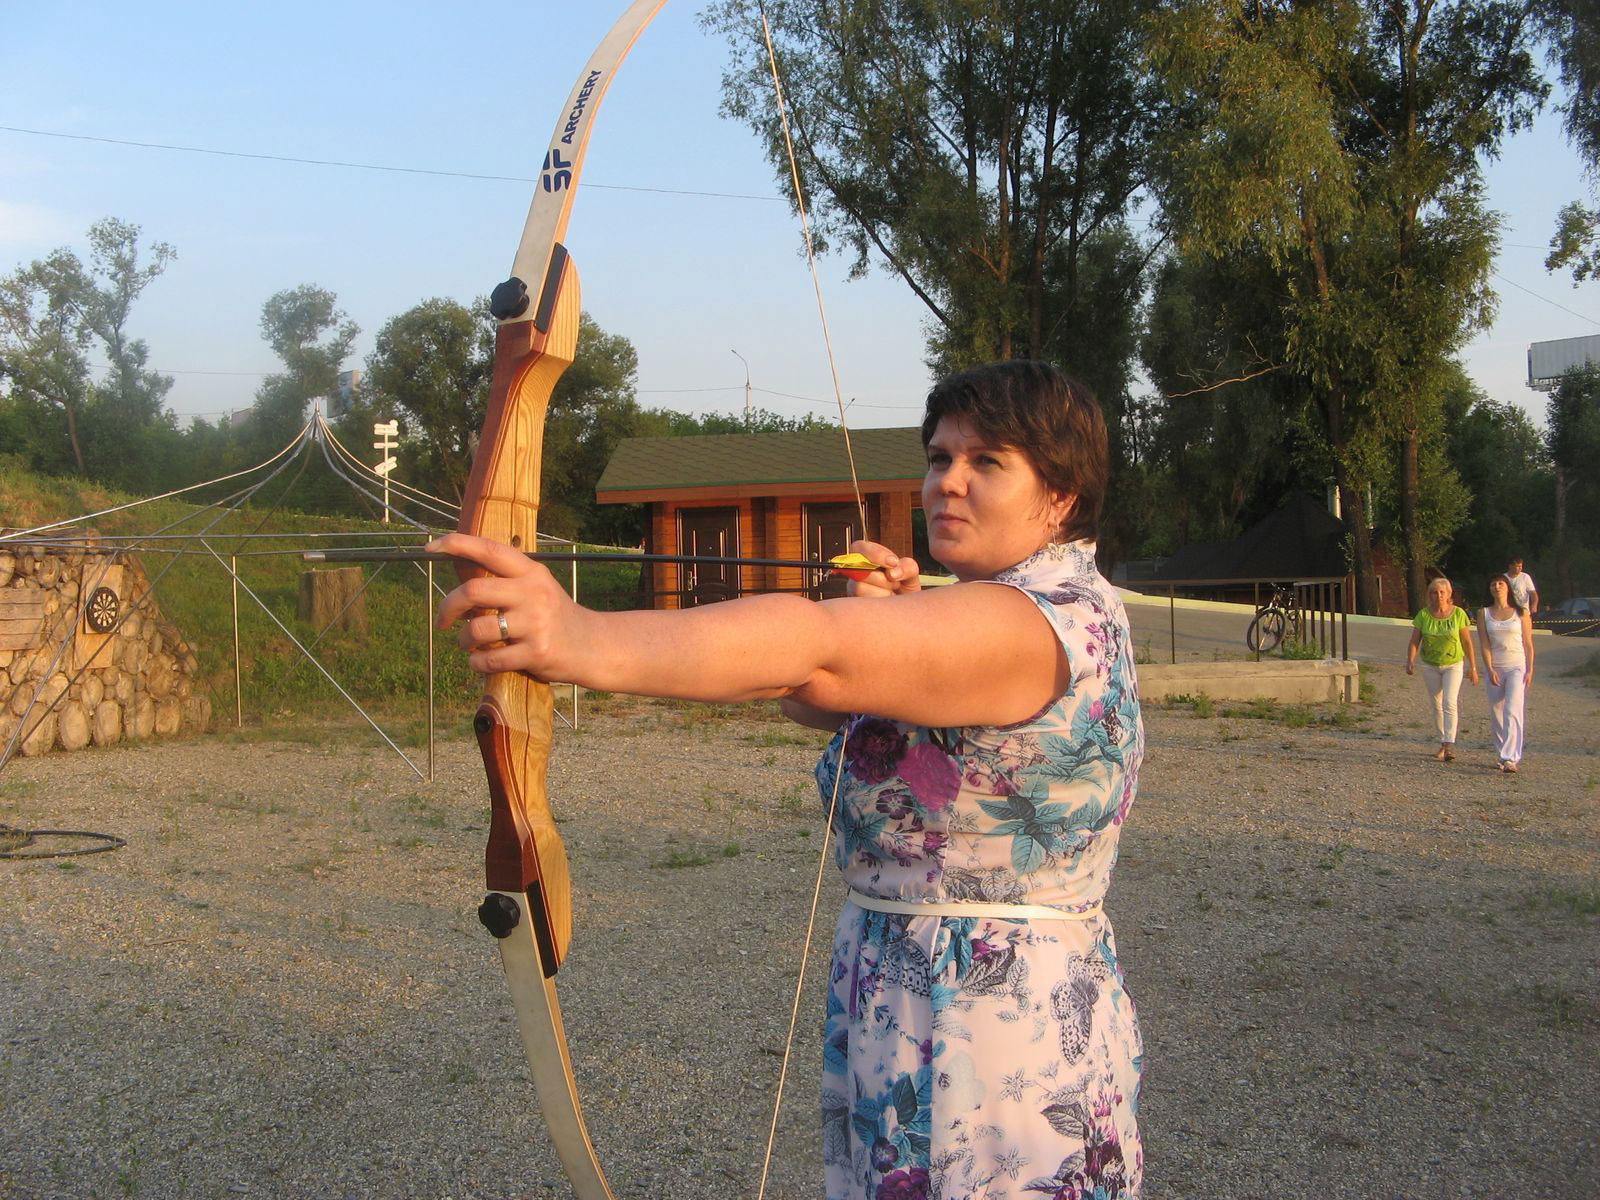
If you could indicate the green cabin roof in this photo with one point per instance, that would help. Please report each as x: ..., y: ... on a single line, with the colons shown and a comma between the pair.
x: 744, y: 459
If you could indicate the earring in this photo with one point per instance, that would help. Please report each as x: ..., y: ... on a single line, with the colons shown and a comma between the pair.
x: 1059, y: 537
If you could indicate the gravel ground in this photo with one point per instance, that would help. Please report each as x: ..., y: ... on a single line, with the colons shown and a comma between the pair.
x: 1361, y: 973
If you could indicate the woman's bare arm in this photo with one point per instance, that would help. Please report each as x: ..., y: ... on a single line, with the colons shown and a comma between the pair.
x: 895, y: 576
x: 962, y: 655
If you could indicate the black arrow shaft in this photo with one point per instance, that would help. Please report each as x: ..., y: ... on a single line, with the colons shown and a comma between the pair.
x: 366, y: 554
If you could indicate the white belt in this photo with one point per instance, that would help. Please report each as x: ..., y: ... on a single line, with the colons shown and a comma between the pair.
x: 960, y: 908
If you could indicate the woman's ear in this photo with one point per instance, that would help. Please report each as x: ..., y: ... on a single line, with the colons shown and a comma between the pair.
x: 1061, y: 506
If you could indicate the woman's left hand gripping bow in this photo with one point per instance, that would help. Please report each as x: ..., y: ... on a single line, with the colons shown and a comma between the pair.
x: 518, y: 618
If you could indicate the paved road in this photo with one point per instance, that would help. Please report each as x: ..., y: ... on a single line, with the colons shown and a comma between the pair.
x: 1216, y: 631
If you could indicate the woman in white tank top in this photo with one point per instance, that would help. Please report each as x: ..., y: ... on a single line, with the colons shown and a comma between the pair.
x: 1507, y: 649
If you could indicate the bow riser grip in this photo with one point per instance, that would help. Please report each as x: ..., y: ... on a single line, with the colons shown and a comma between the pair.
x: 524, y: 855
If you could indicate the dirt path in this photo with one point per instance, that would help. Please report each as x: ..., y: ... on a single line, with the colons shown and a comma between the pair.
x: 1360, y: 973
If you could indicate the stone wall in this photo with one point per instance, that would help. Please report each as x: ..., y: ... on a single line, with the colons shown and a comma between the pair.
x: 86, y: 657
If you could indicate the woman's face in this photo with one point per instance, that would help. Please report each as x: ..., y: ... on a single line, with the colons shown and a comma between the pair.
x: 1439, y: 593
x: 1499, y: 591
x: 987, y: 507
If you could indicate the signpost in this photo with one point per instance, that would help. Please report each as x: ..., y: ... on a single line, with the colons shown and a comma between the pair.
x: 385, y: 431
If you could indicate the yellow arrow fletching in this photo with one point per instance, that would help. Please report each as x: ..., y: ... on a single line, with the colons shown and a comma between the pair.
x: 853, y: 566
x: 859, y: 566
x: 852, y: 562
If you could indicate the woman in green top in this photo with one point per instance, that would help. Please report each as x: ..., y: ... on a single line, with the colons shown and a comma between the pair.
x: 1443, y: 633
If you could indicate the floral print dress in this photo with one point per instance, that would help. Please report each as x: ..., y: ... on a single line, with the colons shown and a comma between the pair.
x: 987, y: 1057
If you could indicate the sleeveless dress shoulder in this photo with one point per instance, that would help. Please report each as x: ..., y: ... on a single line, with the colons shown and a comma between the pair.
x: 988, y: 1057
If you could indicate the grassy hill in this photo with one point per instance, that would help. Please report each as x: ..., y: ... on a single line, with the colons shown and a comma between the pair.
x: 385, y: 668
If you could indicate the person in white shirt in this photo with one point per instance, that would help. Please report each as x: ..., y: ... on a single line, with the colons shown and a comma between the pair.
x: 1507, y: 649
x: 1522, y: 587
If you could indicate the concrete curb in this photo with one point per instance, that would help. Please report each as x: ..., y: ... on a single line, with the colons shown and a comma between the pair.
x: 1290, y: 681
x: 1145, y: 598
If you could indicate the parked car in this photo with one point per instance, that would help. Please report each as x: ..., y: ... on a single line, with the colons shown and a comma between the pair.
x: 1579, y: 616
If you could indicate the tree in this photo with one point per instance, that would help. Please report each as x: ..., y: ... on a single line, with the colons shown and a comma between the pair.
x: 52, y: 314
x: 666, y: 422
x: 431, y: 368
x: 1423, y: 496
x: 130, y: 438
x: 1500, y: 459
x: 1573, y: 31
x: 312, y: 337
x: 1341, y: 142
x: 128, y: 431
x: 592, y: 408
x: 1230, y: 434
x: 976, y: 150
x: 986, y: 152
x: 306, y: 330
x: 1576, y: 242
x: 1572, y: 438
x: 44, y: 359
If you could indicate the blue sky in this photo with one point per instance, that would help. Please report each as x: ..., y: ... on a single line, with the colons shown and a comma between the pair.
x: 474, y: 88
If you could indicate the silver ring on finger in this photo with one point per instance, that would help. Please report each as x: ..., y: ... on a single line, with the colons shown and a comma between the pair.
x: 505, y: 630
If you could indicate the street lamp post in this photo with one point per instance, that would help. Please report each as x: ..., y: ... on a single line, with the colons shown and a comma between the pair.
x: 740, y: 357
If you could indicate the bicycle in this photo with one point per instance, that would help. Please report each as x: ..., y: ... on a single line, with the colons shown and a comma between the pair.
x: 1278, y: 616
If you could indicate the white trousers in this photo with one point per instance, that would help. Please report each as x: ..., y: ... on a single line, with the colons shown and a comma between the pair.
x: 1506, y: 711
x: 1444, y: 685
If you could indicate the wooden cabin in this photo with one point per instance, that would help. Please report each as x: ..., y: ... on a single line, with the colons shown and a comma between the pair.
x: 764, y: 495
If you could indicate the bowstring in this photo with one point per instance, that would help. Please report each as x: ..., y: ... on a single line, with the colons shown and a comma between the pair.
x: 811, y: 259
x: 861, y: 510
x: 800, y: 977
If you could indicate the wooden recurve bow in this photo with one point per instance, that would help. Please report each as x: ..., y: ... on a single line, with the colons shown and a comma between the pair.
x: 529, y: 906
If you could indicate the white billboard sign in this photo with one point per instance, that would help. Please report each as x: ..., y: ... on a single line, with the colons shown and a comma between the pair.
x: 1548, y: 361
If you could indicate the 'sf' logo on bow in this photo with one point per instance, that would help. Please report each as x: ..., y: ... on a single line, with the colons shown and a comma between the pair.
x: 557, y: 175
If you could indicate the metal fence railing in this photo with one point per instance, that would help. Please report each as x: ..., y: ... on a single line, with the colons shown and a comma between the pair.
x: 1314, y: 610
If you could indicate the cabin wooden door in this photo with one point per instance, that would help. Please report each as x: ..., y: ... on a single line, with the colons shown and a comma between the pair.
x: 830, y: 528
x: 713, y: 532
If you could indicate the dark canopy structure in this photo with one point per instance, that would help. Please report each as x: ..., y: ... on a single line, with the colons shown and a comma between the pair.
x: 1302, y: 540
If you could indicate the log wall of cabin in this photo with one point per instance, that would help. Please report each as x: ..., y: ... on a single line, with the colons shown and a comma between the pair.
x: 771, y: 527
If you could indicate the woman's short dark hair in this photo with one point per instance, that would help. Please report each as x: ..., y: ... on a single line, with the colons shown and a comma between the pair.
x: 1054, y: 420
x: 1511, y: 592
